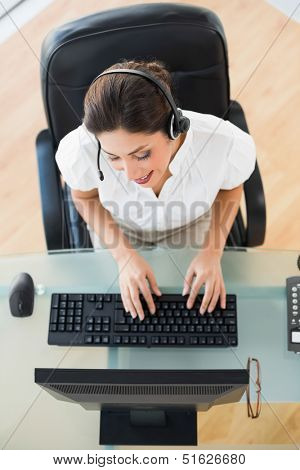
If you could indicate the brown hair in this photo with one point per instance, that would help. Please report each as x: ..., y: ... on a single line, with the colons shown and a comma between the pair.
x: 127, y: 101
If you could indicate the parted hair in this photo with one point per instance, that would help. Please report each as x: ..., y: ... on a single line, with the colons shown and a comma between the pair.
x: 127, y: 101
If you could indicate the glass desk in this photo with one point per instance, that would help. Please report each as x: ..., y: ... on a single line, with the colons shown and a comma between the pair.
x: 32, y: 419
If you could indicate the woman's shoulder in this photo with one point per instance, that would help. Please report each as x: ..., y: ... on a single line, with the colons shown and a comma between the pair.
x: 79, y: 139
x: 76, y: 158
x: 206, y: 122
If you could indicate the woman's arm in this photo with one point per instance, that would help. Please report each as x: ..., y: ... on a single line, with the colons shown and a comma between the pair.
x: 96, y: 216
x: 224, y: 211
x: 206, y: 266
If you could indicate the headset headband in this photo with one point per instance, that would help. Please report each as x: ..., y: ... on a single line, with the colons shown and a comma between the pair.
x: 165, y: 92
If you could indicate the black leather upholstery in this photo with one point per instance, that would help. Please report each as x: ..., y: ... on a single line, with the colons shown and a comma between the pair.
x: 189, y: 39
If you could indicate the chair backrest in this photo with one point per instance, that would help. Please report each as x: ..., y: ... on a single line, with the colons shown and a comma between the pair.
x: 190, y: 40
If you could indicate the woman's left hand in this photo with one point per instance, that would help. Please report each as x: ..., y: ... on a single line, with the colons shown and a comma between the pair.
x: 206, y: 267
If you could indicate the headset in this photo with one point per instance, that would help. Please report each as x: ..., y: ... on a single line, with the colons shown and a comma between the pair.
x: 177, y: 123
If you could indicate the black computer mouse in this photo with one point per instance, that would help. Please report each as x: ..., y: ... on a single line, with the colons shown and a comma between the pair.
x: 21, y: 295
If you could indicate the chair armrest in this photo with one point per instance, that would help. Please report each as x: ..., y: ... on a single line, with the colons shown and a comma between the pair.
x: 253, y: 188
x: 51, y: 194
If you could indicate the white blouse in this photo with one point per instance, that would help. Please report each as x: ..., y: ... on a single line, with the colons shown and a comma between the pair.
x: 214, y: 155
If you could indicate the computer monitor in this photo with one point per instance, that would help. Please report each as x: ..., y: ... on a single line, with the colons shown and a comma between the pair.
x: 145, y: 407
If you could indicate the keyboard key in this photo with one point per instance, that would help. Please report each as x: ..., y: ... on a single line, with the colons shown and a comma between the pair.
x: 218, y: 340
x: 69, y: 328
x: 125, y: 340
x: 155, y: 340
x: 61, y: 328
x: 229, y: 321
x: 193, y: 340
x: 77, y: 328
x: 97, y: 339
x: 119, y: 317
x: 91, y: 298
x: 105, y: 339
x: 99, y: 297
x: 88, y: 339
x: 202, y: 340
x: 210, y: 340
x: 133, y: 340
x: 117, y: 339
x: 164, y: 340
x: 55, y: 301
x: 232, y: 340
x: 53, y: 315
x: 107, y: 297
x: 63, y: 297
x: 53, y: 327
x: 230, y: 306
x: 121, y: 328
x: 172, y: 340
x: 75, y: 297
x: 142, y: 339
x: 180, y: 340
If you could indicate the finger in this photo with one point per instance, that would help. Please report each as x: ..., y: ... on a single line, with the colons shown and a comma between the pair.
x: 124, y: 301
x: 194, y: 291
x: 215, y: 297
x: 147, y: 296
x: 188, y: 281
x: 153, y: 283
x: 135, y: 297
x: 209, y: 288
x: 130, y: 305
x: 223, y: 295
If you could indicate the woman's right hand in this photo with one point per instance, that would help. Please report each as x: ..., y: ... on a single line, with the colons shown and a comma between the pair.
x: 134, y: 272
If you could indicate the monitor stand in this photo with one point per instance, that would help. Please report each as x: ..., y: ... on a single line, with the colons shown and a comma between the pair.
x: 148, y: 426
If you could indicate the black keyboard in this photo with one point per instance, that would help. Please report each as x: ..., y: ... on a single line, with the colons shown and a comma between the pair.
x: 101, y: 320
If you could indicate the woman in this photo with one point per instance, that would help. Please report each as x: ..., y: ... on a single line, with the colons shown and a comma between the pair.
x: 159, y: 188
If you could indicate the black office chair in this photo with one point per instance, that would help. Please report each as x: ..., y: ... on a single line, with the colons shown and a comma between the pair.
x: 190, y: 40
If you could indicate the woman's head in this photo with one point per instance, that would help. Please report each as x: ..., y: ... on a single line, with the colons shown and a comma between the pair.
x: 126, y: 112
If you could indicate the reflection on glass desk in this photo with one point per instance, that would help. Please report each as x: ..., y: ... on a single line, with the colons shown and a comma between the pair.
x: 256, y: 276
